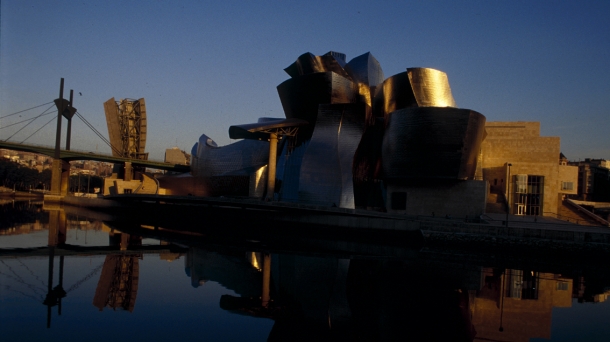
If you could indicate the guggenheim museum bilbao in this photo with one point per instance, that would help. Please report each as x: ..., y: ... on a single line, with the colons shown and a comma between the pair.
x: 352, y: 138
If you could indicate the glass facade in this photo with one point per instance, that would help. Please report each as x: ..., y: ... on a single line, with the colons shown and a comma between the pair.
x: 527, y: 194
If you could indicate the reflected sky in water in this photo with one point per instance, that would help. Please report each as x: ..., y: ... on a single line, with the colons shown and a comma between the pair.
x: 166, y: 285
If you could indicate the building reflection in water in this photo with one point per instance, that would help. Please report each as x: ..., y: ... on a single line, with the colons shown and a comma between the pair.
x: 313, y: 297
x: 117, y: 287
x: 317, y: 296
x: 516, y: 305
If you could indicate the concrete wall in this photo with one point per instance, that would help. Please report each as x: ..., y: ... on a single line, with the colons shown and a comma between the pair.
x: 454, y: 199
x: 114, y: 186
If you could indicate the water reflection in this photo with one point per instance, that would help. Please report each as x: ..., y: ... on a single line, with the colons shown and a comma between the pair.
x: 118, y: 284
x: 331, y: 290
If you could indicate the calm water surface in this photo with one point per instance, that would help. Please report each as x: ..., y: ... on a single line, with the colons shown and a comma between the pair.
x: 66, y: 275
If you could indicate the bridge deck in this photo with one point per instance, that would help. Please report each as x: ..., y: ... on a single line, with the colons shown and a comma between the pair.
x: 85, y: 155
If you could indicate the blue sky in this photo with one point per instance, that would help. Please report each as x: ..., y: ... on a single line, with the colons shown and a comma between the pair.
x: 204, y: 66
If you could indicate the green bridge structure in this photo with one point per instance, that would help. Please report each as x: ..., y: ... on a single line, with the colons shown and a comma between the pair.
x: 69, y: 155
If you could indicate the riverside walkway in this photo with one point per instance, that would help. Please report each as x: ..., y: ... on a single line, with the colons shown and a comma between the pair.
x: 290, y: 217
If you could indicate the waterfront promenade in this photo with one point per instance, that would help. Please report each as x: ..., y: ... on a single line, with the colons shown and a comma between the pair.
x: 293, y: 218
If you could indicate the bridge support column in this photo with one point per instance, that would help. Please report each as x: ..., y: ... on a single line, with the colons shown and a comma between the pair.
x: 65, y: 177
x: 60, y: 177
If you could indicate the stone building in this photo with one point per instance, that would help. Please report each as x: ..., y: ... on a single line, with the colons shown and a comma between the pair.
x: 175, y: 155
x: 538, y: 181
x: 593, y: 179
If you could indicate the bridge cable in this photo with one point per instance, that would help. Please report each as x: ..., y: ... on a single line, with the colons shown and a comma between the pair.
x: 85, y: 278
x: 43, y: 126
x: 99, y: 134
x: 22, y: 121
x: 32, y: 120
x: 25, y: 110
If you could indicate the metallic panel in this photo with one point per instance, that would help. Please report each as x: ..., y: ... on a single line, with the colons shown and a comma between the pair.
x: 243, y: 157
x: 432, y: 142
x: 366, y: 72
x: 431, y: 87
x: 393, y: 94
x: 234, y: 169
x: 258, y: 182
x: 309, y: 63
x: 326, y: 172
x: 365, y: 69
x: 417, y: 87
x: 301, y: 96
x: 320, y: 179
x: 367, y: 167
x: 348, y: 137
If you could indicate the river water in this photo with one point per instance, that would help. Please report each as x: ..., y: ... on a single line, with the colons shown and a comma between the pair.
x: 73, y: 275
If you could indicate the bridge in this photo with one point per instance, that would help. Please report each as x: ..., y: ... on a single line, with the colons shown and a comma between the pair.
x: 130, y: 124
x: 69, y: 155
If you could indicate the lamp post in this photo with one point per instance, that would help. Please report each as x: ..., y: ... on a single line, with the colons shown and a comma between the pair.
x: 508, y: 206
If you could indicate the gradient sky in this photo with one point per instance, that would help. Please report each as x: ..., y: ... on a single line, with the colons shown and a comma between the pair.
x: 204, y: 66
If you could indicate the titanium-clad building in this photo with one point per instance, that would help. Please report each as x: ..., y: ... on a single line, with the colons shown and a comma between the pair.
x: 398, y: 143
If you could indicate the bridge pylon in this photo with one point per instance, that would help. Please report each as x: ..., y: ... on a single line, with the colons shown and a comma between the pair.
x: 60, y: 170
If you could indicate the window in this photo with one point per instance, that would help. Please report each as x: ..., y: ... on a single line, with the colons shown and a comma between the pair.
x: 567, y: 186
x: 562, y: 285
x: 521, y: 184
x: 527, y: 194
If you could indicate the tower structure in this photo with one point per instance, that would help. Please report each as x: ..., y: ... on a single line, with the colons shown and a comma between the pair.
x: 126, y: 120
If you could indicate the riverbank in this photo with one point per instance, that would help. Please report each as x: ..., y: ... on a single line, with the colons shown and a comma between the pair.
x: 299, y: 219
x: 22, y: 194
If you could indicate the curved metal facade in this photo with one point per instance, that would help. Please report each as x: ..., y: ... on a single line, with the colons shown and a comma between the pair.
x: 430, y: 87
x: 416, y: 87
x: 242, y: 157
x: 362, y: 131
x: 309, y: 63
x: 432, y: 142
x: 326, y: 171
x: 393, y: 94
x: 234, y: 169
x: 302, y: 95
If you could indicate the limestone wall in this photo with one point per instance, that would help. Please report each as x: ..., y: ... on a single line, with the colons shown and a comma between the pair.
x: 520, y: 144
